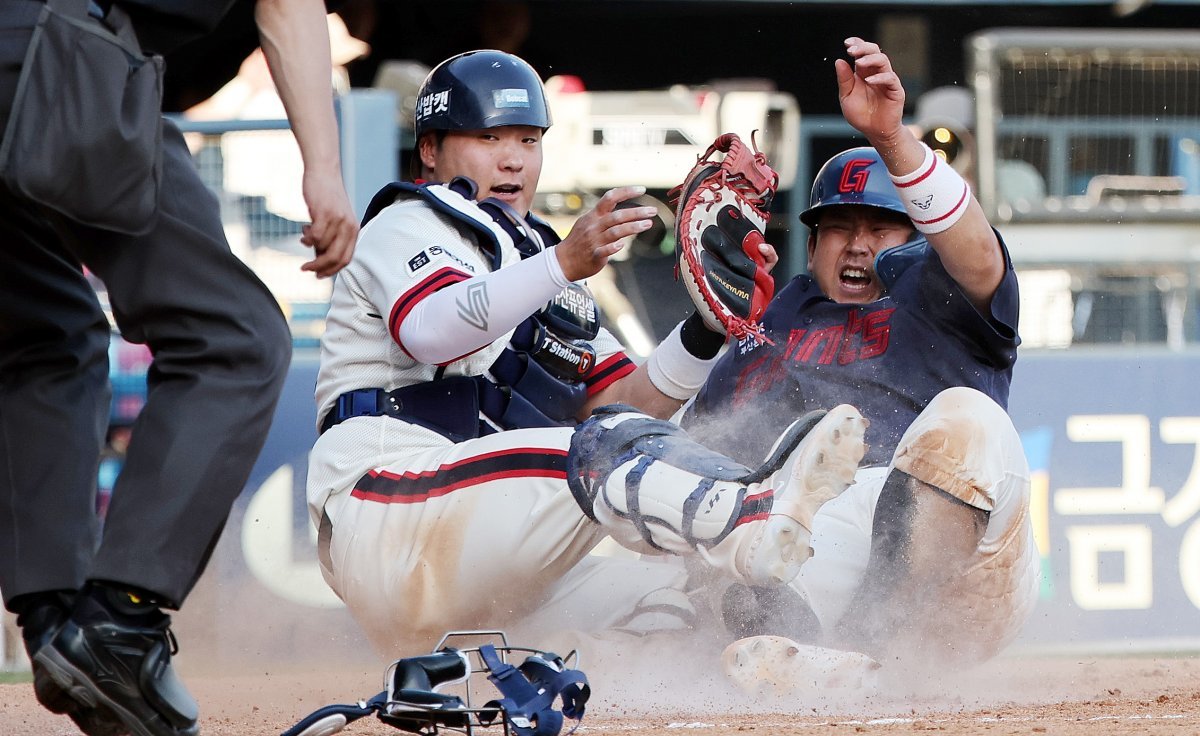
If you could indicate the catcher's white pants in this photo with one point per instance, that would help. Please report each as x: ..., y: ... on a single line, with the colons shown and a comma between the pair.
x: 966, y: 445
x: 484, y: 535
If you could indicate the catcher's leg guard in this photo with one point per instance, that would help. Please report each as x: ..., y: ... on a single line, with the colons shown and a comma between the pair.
x: 655, y: 490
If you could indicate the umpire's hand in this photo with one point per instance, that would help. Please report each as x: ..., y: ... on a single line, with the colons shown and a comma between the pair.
x: 334, y: 228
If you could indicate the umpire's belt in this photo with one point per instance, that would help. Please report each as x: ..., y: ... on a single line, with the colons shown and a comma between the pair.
x: 449, y: 406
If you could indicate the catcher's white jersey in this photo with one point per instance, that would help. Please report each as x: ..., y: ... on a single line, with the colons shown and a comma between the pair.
x: 416, y: 533
x: 405, y: 253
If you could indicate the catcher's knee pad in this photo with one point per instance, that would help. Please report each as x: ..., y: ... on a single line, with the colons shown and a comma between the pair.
x: 617, y: 435
x: 655, y: 490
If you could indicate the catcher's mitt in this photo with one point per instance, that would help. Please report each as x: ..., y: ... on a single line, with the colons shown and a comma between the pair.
x: 721, y: 213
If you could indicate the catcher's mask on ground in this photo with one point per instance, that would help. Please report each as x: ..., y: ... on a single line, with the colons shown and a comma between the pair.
x: 478, y: 90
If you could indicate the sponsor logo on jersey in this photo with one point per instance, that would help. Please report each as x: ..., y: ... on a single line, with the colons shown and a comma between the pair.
x: 417, y: 262
x: 578, y: 303
x: 748, y: 344
x: 437, y: 250
x: 435, y: 253
x: 855, y: 175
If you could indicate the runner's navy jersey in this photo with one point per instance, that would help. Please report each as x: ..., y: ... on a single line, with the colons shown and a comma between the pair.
x: 888, y: 358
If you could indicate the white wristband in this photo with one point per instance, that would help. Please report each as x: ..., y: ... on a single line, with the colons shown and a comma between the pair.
x: 934, y: 195
x: 675, y: 371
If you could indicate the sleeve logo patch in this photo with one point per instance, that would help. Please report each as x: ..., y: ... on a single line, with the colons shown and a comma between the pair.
x: 435, y: 253
x: 417, y: 262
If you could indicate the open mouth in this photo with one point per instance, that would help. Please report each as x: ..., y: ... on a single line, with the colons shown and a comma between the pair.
x: 506, y: 190
x: 855, y: 279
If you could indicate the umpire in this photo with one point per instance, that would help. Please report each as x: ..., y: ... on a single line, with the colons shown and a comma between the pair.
x: 93, y: 179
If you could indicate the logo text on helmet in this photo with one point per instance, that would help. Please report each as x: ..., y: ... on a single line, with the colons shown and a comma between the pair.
x: 434, y: 102
x: 855, y: 175
x: 502, y: 98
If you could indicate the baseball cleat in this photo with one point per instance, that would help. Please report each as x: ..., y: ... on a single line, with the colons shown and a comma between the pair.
x: 777, y: 666
x: 821, y: 466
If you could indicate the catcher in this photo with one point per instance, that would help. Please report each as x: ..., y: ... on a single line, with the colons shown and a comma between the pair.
x: 462, y: 348
x: 909, y: 313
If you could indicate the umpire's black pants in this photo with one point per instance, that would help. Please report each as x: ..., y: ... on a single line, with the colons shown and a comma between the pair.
x: 221, y: 351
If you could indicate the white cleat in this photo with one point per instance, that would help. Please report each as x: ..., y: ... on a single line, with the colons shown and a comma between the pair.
x: 821, y: 467
x: 777, y: 666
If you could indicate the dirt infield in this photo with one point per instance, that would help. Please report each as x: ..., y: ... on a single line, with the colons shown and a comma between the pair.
x: 1066, y: 695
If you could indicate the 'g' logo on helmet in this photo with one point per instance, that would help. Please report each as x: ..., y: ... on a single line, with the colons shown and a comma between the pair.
x: 855, y: 175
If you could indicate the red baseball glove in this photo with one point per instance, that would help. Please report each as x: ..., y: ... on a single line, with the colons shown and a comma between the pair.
x: 721, y: 214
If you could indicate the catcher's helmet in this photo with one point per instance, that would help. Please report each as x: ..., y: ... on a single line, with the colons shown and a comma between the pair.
x: 856, y: 176
x: 481, y: 89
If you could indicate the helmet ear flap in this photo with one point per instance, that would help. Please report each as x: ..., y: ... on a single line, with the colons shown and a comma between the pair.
x: 892, y: 262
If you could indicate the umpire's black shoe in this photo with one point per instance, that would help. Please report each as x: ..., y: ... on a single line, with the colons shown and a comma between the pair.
x: 124, y: 669
x: 39, y: 623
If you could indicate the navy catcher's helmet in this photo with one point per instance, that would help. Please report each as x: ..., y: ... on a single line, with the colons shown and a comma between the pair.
x: 856, y: 176
x: 481, y: 89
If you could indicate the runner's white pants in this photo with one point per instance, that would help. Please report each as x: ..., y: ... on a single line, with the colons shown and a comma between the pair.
x: 966, y: 445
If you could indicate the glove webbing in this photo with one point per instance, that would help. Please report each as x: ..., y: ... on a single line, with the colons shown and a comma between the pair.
x: 756, y: 184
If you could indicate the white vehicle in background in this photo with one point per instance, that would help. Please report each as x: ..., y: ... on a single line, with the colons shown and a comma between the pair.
x: 604, y: 139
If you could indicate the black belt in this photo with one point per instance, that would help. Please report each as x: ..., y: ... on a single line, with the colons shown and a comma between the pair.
x: 449, y: 406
